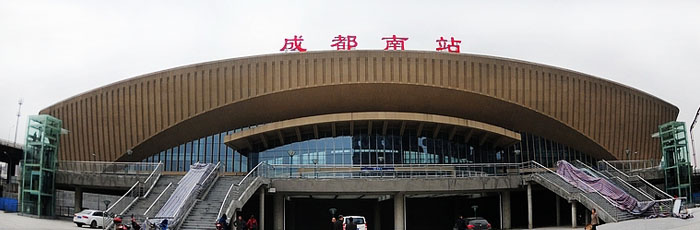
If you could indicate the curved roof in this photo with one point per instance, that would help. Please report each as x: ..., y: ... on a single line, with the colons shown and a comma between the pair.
x: 278, y: 133
x: 155, y: 111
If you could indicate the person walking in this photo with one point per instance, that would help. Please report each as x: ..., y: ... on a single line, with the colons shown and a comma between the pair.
x: 252, y: 223
x: 460, y: 224
x: 594, y: 219
x: 164, y: 224
x: 223, y: 222
x: 338, y: 225
x: 240, y: 223
x: 351, y: 225
x: 333, y: 220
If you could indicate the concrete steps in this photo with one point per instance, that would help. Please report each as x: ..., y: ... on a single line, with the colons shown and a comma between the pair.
x: 204, y: 213
x: 141, y: 205
x: 556, y: 184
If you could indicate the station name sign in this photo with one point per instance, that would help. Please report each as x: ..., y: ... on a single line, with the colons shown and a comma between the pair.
x: 349, y: 42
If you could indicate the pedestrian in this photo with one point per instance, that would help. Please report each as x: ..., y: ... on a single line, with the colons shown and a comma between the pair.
x: 252, y: 223
x: 164, y: 224
x: 351, y: 225
x: 594, y: 219
x: 223, y: 221
x: 339, y: 224
x: 460, y: 224
x: 333, y: 220
x: 240, y: 223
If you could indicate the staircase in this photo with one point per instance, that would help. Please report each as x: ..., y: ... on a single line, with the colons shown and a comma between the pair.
x: 552, y: 181
x: 625, y: 186
x: 203, y: 215
x: 141, y: 205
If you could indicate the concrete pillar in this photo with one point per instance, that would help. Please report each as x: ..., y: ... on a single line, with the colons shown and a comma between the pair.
x: 399, y: 206
x: 505, y: 210
x: 78, y: 202
x: 377, y: 217
x: 529, y: 206
x: 262, y: 208
x: 278, y: 211
x: 573, y: 214
x: 558, y: 207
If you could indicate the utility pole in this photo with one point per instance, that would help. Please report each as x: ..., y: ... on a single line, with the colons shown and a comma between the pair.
x: 19, y: 110
x: 692, y: 140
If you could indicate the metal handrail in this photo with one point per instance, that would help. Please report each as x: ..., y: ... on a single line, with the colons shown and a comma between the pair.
x: 228, y: 193
x: 596, y: 191
x: 118, y: 202
x: 638, y: 178
x: 255, y: 169
x: 635, y: 188
x: 425, y: 170
x: 191, y: 198
x: 138, y: 168
x: 157, y: 199
x: 636, y: 165
x: 622, y: 181
x: 159, y: 168
x: 225, y: 199
x: 122, y: 197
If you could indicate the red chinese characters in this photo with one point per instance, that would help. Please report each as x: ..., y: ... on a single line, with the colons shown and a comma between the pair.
x: 344, y: 43
x: 452, y: 46
x: 293, y: 44
x: 394, y: 42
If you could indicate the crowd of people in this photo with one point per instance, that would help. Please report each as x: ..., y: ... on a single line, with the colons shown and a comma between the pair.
x: 239, y: 223
x: 337, y: 223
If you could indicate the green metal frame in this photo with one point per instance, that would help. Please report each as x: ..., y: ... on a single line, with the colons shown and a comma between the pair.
x: 37, y: 190
x: 676, y: 159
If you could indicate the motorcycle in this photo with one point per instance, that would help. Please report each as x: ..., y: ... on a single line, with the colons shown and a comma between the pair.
x: 135, y: 225
x: 118, y: 225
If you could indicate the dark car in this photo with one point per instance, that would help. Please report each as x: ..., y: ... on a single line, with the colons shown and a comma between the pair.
x: 477, y: 223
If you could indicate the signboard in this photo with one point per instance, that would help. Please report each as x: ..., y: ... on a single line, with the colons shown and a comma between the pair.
x: 349, y: 42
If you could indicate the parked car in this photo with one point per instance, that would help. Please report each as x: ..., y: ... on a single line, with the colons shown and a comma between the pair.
x: 358, y: 220
x: 94, y: 218
x: 478, y: 223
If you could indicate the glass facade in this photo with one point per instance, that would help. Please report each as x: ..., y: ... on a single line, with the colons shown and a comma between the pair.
x: 391, y: 149
x: 376, y: 148
x: 209, y: 149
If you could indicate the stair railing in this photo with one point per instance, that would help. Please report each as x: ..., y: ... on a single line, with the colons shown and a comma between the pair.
x: 664, y: 205
x: 615, y: 178
x: 255, y: 171
x: 615, y: 217
x: 152, y: 179
x: 191, y: 198
x: 157, y: 199
x: 121, y: 205
x: 655, y: 189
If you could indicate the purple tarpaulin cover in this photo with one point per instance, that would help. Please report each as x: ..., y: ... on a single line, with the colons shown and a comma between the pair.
x: 585, y: 182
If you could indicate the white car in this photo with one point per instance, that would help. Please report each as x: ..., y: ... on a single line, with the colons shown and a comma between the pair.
x: 93, y: 218
x: 358, y: 220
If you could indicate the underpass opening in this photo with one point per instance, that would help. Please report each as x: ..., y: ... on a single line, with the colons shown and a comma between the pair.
x: 314, y: 212
x: 441, y: 211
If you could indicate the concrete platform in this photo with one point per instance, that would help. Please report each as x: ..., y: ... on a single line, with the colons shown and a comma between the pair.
x: 648, y: 224
x: 13, y: 221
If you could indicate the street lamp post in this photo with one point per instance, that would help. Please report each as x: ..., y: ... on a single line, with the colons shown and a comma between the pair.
x: 291, y: 160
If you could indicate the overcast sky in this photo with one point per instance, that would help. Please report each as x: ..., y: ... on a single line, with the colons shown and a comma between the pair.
x: 52, y: 50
